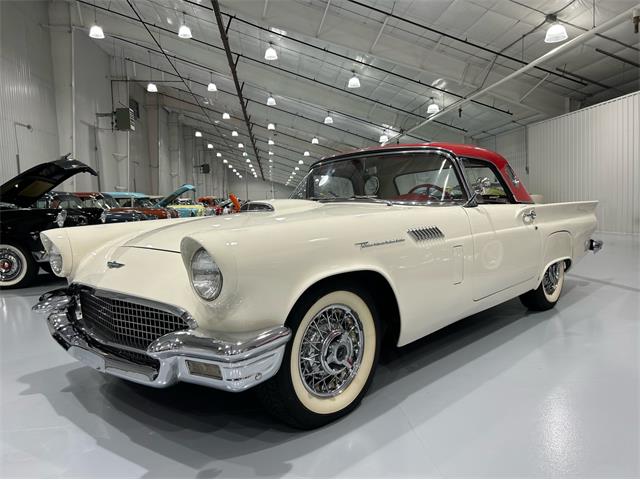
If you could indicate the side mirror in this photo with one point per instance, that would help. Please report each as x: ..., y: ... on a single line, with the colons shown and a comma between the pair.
x: 481, y: 185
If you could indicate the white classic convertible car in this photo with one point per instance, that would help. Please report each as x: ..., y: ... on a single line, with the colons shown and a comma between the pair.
x: 295, y: 296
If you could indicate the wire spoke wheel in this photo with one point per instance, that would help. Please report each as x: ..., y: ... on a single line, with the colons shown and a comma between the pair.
x: 10, y: 264
x: 331, y: 351
x: 551, y: 279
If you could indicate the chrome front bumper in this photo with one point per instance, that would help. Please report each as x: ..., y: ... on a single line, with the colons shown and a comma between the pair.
x: 233, y: 362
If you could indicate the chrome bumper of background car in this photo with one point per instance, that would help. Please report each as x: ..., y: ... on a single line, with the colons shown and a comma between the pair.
x: 232, y: 362
x: 595, y: 245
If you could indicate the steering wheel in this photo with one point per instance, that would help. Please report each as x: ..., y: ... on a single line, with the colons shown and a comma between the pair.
x: 431, y: 193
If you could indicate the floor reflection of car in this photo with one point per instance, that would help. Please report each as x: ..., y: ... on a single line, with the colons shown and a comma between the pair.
x: 21, y: 250
x: 113, y: 212
x: 140, y: 202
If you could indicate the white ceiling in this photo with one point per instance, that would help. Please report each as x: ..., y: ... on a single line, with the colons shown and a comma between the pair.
x: 404, y: 52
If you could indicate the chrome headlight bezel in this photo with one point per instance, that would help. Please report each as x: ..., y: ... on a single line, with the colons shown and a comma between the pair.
x: 205, y: 275
x: 55, y: 259
x: 61, y: 218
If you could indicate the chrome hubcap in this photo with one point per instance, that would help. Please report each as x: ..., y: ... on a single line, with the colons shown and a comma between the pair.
x: 331, y: 351
x: 551, y: 279
x: 10, y: 265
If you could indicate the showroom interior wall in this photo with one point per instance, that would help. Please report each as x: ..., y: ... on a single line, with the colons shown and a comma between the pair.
x: 27, y: 95
x: 591, y: 154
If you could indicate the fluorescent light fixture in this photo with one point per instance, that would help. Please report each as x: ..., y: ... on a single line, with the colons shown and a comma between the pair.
x: 314, y: 140
x: 271, y: 142
x: 384, y: 138
x: 270, y: 53
x: 234, y: 133
x: 240, y: 145
x: 184, y: 31
x: 212, y: 87
x: 271, y: 101
x: 198, y: 133
x: 96, y: 32
x: 306, y: 153
x: 556, y: 33
x: 218, y: 154
x: 210, y: 146
x: 152, y: 87
x: 354, y: 82
x: 328, y: 120
x: 271, y: 126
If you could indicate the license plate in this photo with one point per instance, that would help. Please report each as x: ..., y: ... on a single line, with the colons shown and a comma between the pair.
x: 88, y: 358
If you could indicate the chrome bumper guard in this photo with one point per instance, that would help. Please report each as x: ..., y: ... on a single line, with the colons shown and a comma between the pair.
x: 226, y: 361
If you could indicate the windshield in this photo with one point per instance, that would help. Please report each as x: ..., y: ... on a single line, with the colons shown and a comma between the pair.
x: 66, y: 201
x: 94, y: 203
x: 407, y: 177
x: 110, y: 202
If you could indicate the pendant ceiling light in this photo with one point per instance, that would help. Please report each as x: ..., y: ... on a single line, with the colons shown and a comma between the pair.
x: 234, y: 133
x: 433, y: 108
x: 226, y: 116
x: 384, y: 138
x: 314, y: 140
x: 240, y: 145
x: 96, y: 32
x: 270, y: 53
x: 210, y: 146
x: 271, y: 101
x: 271, y: 126
x: 556, y: 31
x: 198, y: 133
x: 300, y: 162
x: 184, y: 32
x: 306, y: 153
x: 270, y: 152
x: 328, y: 120
x: 152, y: 87
x: 354, y: 82
x: 212, y: 87
x: 271, y: 142
x: 218, y: 154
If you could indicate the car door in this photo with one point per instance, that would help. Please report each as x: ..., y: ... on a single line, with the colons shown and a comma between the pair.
x: 506, y: 239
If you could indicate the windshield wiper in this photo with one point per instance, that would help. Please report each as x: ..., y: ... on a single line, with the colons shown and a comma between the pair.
x: 369, y: 198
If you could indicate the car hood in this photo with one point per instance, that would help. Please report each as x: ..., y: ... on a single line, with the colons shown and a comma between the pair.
x: 169, y: 199
x: 27, y: 187
x: 285, y: 212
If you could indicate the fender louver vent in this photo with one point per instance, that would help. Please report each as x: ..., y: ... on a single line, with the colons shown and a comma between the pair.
x: 426, y: 233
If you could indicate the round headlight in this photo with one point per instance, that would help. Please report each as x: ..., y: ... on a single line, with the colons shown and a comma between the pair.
x: 61, y: 217
x: 55, y: 259
x: 206, y: 277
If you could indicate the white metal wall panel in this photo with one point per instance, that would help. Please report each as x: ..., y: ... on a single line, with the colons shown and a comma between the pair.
x: 510, y: 145
x: 26, y: 88
x: 591, y: 154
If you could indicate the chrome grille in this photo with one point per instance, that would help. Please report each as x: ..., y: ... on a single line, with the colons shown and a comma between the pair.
x: 126, y: 323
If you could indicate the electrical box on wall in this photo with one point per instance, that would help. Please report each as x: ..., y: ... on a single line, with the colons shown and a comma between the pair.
x: 125, y: 119
x: 205, y: 168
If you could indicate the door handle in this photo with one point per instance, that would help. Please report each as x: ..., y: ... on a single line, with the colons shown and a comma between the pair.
x: 529, y: 217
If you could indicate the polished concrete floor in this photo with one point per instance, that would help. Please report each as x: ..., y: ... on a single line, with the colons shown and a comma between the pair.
x: 502, y: 393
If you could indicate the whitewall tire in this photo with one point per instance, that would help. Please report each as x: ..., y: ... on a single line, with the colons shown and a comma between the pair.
x: 548, y: 292
x: 17, y: 267
x: 329, y: 362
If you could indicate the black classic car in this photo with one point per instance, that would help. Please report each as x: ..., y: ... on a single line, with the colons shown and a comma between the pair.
x: 21, y: 221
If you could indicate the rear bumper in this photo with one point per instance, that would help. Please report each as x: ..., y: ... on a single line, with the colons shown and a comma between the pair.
x: 232, y: 362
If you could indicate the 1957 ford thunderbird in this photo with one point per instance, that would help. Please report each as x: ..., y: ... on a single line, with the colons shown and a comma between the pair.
x: 295, y: 297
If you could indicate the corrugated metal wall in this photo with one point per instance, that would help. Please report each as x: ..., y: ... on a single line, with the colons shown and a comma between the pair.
x: 591, y: 154
x: 510, y: 145
x: 26, y: 88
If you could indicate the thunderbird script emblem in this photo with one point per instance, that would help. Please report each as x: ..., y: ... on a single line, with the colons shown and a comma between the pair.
x: 114, y: 264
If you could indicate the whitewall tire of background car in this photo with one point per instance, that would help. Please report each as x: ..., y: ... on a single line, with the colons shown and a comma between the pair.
x: 330, y: 361
x: 17, y: 268
x: 548, y: 292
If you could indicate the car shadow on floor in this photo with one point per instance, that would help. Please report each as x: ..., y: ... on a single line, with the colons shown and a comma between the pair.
x: 195, y: 426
